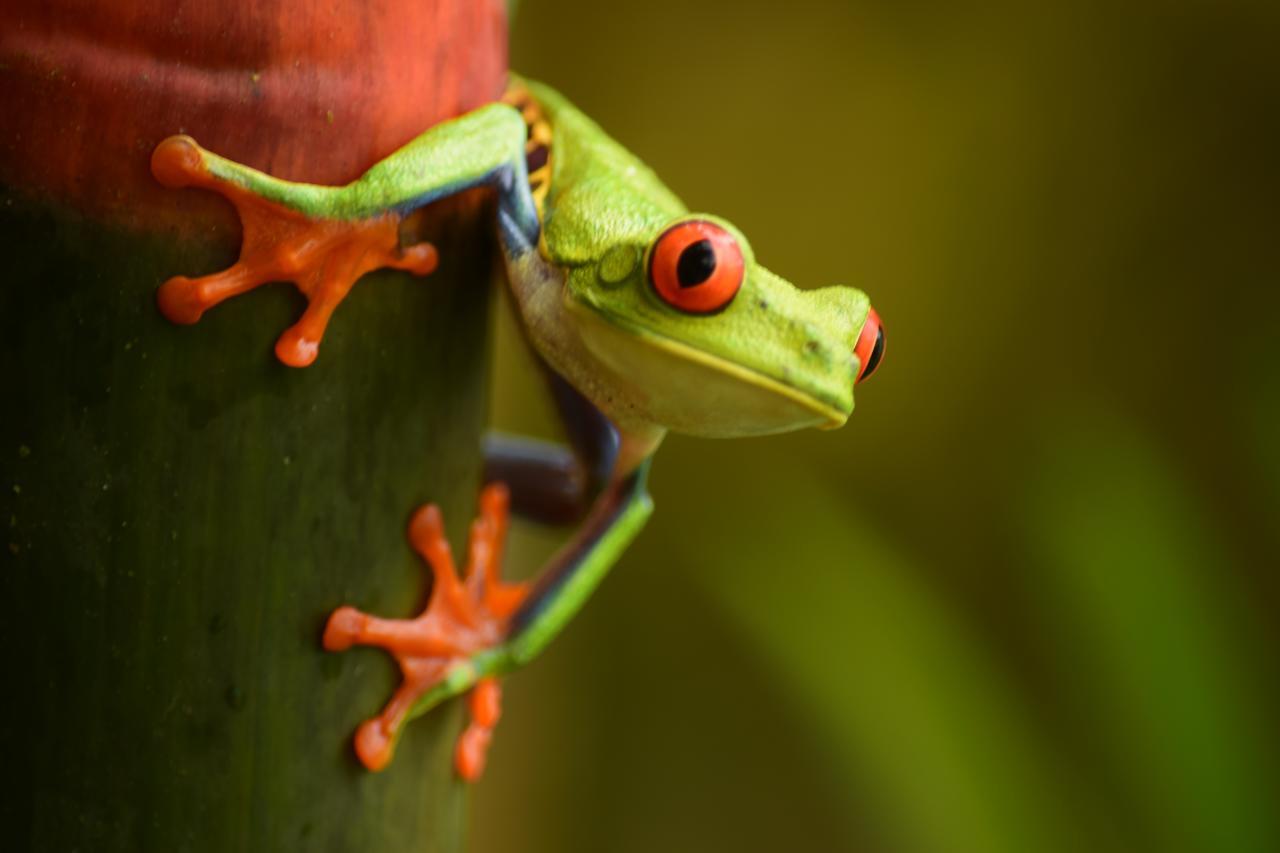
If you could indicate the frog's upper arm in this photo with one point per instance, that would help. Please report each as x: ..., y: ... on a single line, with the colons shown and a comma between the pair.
x: 445, y: 159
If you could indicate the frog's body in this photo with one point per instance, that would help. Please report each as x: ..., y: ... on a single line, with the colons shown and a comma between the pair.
x: 648, y: 318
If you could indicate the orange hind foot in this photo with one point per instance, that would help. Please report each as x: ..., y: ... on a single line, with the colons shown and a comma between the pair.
x: 323, y: 257
x: 464, y: 616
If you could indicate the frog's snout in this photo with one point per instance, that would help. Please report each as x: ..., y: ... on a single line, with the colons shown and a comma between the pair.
x: 870, y: 346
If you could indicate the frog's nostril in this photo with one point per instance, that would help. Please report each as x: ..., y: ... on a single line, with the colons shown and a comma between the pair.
x: 870, y: 347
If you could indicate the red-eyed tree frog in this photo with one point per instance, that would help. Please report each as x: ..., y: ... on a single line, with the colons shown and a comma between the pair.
x: 647, y: 317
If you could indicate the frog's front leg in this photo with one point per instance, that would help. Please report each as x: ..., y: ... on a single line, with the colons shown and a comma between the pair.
x: 323, y: 239
x: 323, y: 257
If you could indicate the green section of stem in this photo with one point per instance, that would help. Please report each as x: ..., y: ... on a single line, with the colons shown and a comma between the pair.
x: 181, y: 514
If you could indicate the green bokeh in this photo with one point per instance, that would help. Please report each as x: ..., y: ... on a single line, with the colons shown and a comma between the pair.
x: 1025, y: 600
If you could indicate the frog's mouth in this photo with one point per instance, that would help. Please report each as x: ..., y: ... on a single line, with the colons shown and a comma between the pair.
x: 832, y: 416
x: 687, y: 389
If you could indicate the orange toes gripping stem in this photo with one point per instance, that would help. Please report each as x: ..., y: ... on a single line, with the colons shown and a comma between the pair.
x: 485, y: 707
x: 323, y: 257
x: 464, y: 615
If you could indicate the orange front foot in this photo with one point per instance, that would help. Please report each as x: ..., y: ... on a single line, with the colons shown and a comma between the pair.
x: 323, y: 257
x: 464, y: 616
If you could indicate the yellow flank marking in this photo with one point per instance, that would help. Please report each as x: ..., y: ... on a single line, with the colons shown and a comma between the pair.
x: 514, y: 95
x: 540, y: 132
x: 540, y: 194
x: 539, y: 135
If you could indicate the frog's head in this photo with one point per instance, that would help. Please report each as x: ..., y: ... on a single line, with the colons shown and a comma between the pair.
x: 708, y: 342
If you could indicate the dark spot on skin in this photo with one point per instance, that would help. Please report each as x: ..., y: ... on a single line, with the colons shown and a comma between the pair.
x: 697, y: 263
x: 537, y: 158
x: 811, y: 346
x: 764, y: 306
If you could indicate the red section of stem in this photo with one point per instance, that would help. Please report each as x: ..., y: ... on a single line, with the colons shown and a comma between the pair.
x: 306, y: 90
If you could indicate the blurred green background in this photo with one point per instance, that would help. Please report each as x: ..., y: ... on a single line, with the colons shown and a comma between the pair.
x: 1025, y: 600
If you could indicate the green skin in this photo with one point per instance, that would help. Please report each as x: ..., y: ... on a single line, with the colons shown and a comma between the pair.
x: 775, y: 359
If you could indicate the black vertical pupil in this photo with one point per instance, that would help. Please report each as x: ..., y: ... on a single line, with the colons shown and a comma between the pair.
x: 877, y: 353
x: 697, y: 263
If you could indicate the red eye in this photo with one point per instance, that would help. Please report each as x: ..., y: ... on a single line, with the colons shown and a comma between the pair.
x: 696, y: 267
x: 870, y: 346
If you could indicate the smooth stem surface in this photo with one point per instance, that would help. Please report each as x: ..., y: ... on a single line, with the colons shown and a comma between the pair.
x: 182, y: 512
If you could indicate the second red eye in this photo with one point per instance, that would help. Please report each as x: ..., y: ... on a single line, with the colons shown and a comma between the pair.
x: 696, y: 267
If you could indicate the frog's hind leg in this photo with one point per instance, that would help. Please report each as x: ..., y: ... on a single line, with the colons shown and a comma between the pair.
x: 452, y: 646
x: 292, y: 232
